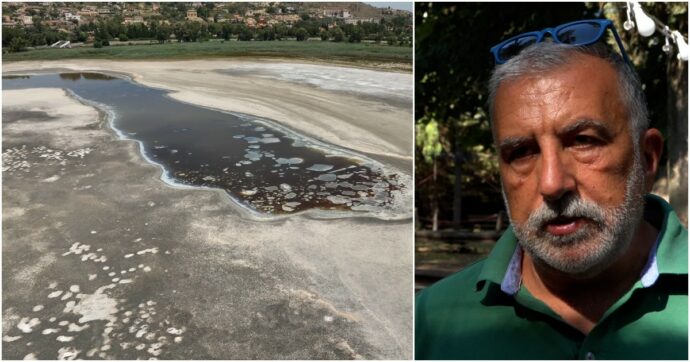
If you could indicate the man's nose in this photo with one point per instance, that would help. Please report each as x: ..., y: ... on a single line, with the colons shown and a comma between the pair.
x: 555, y: 178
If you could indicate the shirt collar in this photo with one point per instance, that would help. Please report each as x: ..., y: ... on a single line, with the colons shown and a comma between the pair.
x: 667, y: 256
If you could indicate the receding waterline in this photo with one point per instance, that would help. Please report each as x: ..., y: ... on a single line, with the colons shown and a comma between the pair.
x: 265, y: 168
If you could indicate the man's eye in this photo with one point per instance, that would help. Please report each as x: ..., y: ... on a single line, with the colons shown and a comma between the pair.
x: 585, y: 140
x: 519, y: 153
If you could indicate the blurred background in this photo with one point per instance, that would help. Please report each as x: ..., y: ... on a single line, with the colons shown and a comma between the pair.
x: 459, y: 207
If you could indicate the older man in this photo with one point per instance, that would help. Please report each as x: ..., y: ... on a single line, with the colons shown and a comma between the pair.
x: 592, y: 267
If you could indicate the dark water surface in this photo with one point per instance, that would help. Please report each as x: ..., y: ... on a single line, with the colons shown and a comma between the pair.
x: 266, y: 168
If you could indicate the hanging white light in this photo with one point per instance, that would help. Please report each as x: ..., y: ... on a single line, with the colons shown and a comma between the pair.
x: 681, y: 44
x: 645, y: 24
x: 628, y: 24
x: 667, y: 48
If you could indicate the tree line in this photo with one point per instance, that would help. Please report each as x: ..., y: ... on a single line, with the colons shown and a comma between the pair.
x: 396, y: 31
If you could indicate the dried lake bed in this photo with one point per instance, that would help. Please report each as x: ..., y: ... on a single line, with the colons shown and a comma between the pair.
x: 101, y: 259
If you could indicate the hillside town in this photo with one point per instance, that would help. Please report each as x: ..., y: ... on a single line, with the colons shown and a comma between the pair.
x: 97, y: 24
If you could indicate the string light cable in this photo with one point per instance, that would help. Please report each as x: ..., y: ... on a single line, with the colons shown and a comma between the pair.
x: 646, y: 25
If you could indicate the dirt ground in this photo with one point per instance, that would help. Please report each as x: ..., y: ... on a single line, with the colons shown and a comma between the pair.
x: 101, y: 259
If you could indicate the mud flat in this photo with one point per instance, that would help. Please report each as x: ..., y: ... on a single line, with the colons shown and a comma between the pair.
x: 101, y: 259
x: 362, y: 123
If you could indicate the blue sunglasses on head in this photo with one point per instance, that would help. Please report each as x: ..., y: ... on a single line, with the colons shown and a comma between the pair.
x: 582, y: 33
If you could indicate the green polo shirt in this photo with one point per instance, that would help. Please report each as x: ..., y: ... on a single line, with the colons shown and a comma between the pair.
x: 468, y: 316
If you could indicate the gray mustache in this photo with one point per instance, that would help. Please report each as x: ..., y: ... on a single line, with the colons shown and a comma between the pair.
x: 567, y: 207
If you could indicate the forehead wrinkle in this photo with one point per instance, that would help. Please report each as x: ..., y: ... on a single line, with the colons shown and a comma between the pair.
x: 585, y: 123
x: 510, y: 142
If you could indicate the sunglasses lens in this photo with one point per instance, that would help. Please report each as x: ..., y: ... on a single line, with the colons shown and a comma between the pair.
x: 515, y: 46
x: 579, y: 34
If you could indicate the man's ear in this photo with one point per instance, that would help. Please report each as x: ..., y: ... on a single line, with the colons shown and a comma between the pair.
x: 652, y: 143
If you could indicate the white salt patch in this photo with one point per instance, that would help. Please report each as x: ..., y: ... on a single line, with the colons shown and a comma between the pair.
x: 151, y: 204
x: 106, y: 267
x: 52, y: 319
x: 37, y: 308
x: 10, y: 338
x: 115, y: 280
x: 147, y: 269
x: 286, y: 187
x: 51, y: 178
x: 177, y: 339
x: 154, y: 350
x: 337, y: 199
x: 50, y: 331
x: 137, y: 240
x: 127, y: 256
x: 76, y: 328
x: 74, y: 289
x: 96, y: 307
x: 66, y: 296
x: 141, y: 332
x: 30, y: 357
x: 151, y: 250
x: 52, y: 285
x: 140, y: 346
x: 68, y: 353
x: 289, y: 161
x: 175, y: 331
x: 92, y: 276
x: 64, y: 339
x: 248, y: 192
x: 327, y: 177
x: 94, y: 232
x: 328, y: 318
x: 63, y: 323
x: 270, y: 140
x: 318, y: 167
x: 132, y: 269
x: 77, y: 249
x: 69, y: 306
x: 126, y: 281
x: 26, y: 325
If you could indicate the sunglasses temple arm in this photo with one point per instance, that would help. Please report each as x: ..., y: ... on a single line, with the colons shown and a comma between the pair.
x: 620, y: 46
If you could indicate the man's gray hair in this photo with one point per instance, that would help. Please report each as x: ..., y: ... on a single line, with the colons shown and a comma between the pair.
x: 547, y: 56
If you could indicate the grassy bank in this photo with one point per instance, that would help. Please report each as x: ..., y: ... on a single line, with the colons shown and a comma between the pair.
x: 311, y: 50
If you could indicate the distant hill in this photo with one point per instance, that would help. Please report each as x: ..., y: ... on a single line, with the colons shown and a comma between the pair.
x: 357, y: 10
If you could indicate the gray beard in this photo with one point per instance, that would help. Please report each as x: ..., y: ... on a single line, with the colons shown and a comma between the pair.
x: 599, y: 242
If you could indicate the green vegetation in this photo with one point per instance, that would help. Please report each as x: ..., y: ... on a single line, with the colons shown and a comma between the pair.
x: 290, y: 49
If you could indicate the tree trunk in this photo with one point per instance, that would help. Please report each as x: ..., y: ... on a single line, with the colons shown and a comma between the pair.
x: 677, y: 138
x: 434, y: 200
x: 457, y: 190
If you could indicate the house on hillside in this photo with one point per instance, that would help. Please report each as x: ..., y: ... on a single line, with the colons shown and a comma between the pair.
x: 70, y: 17
x: 26, y: 20
x: 191, y: 14
x: 133, y: 20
